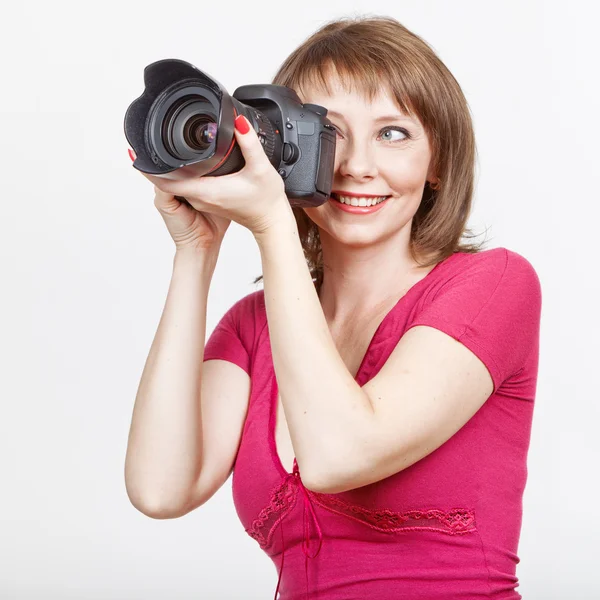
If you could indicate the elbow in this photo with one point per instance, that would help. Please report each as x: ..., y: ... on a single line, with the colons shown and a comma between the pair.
x: 323, y: 481
x: 324, y: 484
x: 158, y: 510
x: 153, y: 502
x: 154, y: 506
x: 318, y: 486
x: 356, y: 470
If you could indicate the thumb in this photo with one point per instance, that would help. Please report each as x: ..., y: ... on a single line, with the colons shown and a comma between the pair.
x: 249, y: 142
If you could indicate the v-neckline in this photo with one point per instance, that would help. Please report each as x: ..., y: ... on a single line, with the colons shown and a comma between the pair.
x: 272, y: 421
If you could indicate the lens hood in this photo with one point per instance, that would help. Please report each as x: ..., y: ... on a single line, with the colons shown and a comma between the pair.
x: 157, y: 124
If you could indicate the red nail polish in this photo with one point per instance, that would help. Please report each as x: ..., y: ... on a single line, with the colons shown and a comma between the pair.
x: 241, y: 124
x: 131, y: 154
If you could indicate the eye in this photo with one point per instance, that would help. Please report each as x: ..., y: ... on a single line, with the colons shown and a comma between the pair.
x: 390, y: 138
x: 387, y: 134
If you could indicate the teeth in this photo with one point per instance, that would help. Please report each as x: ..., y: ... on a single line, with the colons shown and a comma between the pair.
x: 360, y: 201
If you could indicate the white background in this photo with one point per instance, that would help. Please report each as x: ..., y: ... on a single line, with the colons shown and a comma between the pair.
x: 86, y: 262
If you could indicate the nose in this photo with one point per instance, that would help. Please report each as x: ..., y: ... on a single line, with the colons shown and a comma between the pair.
x: 356, y: 161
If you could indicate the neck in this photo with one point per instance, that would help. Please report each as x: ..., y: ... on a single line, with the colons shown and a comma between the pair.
x: 361, y: 282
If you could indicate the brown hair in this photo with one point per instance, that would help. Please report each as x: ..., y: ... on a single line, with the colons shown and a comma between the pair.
x: 368, y: 53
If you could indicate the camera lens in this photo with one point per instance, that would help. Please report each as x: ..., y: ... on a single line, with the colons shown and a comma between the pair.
x: 200, y: 132
x: 189, y: 127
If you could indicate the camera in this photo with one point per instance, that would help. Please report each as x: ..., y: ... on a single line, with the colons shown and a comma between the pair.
x: 182, y: 126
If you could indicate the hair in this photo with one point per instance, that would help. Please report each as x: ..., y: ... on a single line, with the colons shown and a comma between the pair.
x: 369, y: 54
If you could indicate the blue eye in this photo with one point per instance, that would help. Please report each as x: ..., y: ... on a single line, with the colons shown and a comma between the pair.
x: 398, y: 129
x: 387, y: 130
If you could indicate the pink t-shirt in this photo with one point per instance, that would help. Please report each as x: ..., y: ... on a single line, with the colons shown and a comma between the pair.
x: 448, y: 526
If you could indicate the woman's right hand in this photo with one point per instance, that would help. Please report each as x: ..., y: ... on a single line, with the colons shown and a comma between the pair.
x: 189, y: 228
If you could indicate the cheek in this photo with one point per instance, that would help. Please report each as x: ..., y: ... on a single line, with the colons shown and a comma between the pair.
x: 403, y: 173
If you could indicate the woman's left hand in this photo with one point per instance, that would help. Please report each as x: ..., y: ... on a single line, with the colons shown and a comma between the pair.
x: 253, y: 197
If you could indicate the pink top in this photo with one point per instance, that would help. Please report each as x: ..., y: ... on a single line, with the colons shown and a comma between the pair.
x: 448, y: 526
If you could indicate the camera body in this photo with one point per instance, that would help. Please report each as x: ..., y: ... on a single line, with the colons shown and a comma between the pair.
x: 306, y: 158
x: 183, y: 126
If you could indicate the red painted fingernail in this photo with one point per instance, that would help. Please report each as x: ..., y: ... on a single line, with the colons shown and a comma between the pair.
x: 241, y: 124
x: 131, y: 154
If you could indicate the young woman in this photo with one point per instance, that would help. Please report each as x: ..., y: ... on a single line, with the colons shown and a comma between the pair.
x: 376, y: 398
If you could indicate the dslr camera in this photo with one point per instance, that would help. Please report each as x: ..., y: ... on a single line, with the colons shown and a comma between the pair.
x: 183, y: 126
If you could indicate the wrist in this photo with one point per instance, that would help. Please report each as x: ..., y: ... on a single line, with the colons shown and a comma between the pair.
x: 284, y: 223
x: 202, y: 260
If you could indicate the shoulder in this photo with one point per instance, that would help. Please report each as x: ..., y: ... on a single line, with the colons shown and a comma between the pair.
x: 251, y: 303
x: 494, y: 267
x: 244, y: 315
x: 250, y: 314
x: 489, y: 301
x: 482, y: 289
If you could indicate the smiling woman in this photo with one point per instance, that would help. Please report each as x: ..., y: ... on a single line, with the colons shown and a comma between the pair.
x: 439, y: 336
x: 375, y: 400
x: 373, y: 73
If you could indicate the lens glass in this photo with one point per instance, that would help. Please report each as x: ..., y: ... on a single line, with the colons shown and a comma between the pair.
x: 200, y: 131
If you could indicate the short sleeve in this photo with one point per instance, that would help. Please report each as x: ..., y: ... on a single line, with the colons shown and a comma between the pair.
x: 232, y: 338
x: 492, y: 305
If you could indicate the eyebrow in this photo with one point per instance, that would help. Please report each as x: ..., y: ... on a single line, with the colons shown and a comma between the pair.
x: 397, y: 117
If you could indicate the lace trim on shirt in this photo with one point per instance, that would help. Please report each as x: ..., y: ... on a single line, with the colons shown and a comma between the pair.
x: 282, y: 500
x: 455, y: 521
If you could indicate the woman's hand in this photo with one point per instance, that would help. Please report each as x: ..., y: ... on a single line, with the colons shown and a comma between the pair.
x: 190, y: 228
x: 253, y: 197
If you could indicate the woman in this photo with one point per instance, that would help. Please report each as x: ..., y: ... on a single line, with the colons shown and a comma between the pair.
x: 377, y: 397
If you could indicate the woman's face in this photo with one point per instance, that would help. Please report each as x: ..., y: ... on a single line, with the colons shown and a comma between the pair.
x: 379, y: 152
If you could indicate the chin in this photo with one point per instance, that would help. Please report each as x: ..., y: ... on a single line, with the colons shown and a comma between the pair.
x: 356, y: 236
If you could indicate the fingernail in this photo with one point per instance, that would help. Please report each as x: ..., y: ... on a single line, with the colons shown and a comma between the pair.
x: 131, y: 154
x: 241, y: 124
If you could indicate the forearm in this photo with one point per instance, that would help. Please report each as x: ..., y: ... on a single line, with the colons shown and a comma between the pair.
x: 165, y: 439
x: 326, y: 410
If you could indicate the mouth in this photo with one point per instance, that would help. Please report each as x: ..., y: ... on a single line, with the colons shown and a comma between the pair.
x: 357, y: 200
x: 358, y: 205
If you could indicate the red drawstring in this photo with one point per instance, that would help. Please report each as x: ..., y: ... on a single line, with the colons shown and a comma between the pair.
x: 305, y: 542
x: 282, y: 557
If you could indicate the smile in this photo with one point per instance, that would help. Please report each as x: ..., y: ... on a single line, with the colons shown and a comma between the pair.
x: 358, y: 204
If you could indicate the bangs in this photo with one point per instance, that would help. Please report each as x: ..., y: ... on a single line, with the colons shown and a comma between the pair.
x: 358, y: 70
x: 368, y: 56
